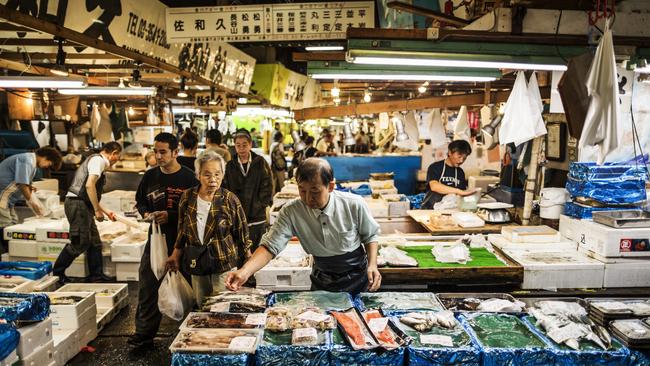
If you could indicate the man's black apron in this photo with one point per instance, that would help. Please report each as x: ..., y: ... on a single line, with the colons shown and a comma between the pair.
x: 346, y: 272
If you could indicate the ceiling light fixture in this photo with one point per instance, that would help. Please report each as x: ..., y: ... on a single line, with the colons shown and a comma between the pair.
x: 36, y: 82
x: 408, y: 77
x: 422, y: 89
x: 367, y: 97
x: 135, y: 77
x: 121, y: 84
x: 433, y: 62
x: 335, y: 92
x: 60, y: 69
x: 181, y: 92
x: 324, y: 48
x: 99, y: 90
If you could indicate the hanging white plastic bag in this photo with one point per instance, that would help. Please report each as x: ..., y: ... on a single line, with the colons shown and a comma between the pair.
x: 461, y: 129
x: 536, y: 105
x: 517, y: 125
x: 437, y: 129
x: 175, y: 296
x: 158, y: 251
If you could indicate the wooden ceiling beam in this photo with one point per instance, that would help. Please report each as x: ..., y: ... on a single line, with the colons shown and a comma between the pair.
x: 9, y: 55
x: 8, y: 27
x: 428, y: 13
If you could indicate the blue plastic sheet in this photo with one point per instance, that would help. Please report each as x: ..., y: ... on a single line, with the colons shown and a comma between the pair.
x: 343, y: 355
x: 9, y: 338
x: 32, y: 307
x: 362, y: 190
x: 612, y: 184
x: 211, y: 359
x: 639, y: 358
x: 31, y: 270
x: 276, y: 349
x: 416, y: 201
x: 586, y: 212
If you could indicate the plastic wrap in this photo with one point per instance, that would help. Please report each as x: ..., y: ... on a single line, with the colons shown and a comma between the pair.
x: 586, y: 212
x: 609, y: 184
x: 639, y: 358
x: 343, y: 355
x: 322, y: 299
x: 399, y: 301
x: 31, y: 270
x: 204, y: 359
x: 24, y: 307
x: 539, y: 353
x: 362, y: 190
x: 9, y: 338
x: 276, y: 349
x: 416, y: 200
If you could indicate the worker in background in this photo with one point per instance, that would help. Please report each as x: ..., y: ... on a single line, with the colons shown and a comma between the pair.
x: 276, y: 130
x: 446, y: 176
x: 326, y: 145
x: 16, y: 177
x: 213, y: 141
x: 82, y: 208
x: 150, y: 160
x: 190, y: 142
x: 249, y: 177
x: 257, y: 137
x: 278, y: 163
x: 335, y: 227
x: 157, y: 199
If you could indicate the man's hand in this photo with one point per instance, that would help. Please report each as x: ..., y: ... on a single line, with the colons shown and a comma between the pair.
x: 99, y: 215
x: 173, y: 263
x: 236, y: 279
x: 467, y: 192
x: 33, y: 189
x: 374, y: 278
x: 111, y: 216
x: 160, y: 217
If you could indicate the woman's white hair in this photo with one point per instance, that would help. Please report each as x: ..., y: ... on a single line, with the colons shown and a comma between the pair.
x: 204, y: 157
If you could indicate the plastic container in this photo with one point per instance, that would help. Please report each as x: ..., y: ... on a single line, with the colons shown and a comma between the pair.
x: 551, y: 204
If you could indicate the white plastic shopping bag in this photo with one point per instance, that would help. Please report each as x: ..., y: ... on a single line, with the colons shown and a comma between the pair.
x: 158, y: 251
x: 175, y: 297
x: 518, y: 123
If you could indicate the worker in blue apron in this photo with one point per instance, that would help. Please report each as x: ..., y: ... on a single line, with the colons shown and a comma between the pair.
x: 446, y: 176
x: 335, y: 227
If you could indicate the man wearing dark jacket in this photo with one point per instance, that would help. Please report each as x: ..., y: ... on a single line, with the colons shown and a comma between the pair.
x: 249, y: 177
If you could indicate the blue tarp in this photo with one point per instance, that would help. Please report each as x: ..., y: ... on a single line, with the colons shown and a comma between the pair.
x: 343, y: 355
x: 276, y: 349
x: 9, y: 338
x: 586, y: 212
x: 208, y: 359
x: 32, y: 307
x: 612, y: 184
x: 31, y: 270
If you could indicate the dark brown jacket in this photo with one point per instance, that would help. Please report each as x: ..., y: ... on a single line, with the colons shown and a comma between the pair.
x: 255, y: 190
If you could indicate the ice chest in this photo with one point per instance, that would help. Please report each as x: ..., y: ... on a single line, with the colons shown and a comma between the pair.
x: 43, y: 355
x: 530, y: 234
x: 611, y: 242
x: 23, y: 248
x: 122, y: 251
x: 33, y: 336
x: 127, y: 271
x: 107, y: 295
x: 72, y: 316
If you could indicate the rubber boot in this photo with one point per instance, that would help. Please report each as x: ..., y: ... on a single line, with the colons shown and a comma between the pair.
x: 96, y: 265
x: 63, y: 261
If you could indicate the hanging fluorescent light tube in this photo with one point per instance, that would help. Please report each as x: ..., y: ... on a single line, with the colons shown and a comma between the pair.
x: 36, y: 82
x: 408, y: 77
x: 324, y: 48
x: 432, y: 62
x: 183, y: 110
x: 146, y: 91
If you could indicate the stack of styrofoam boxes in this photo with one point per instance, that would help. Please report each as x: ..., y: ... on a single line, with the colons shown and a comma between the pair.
x: 397, y: 204
x: 73, y: 325
x: 379, y: 187
x: 36, y: 346
x: 378, y: 207
x: 126, y: 254
x: 281, y: 275
x: 625, y: 252
x: 16, y: 284
x: 549, y: 261
x: 10, y: 360
x: 119, y: 201
x: 109, y: 297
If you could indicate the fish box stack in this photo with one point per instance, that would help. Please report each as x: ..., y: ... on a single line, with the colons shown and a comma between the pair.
x: 549, y: 261
x: 119, y: 201
x: 109, y: 297
x: 74, y: 322
x: 288, y: 271
x: 36, y: 345
x: 27, y: 277
x: 32, y: 341
x: 122, y: 248
x: 381, y: 187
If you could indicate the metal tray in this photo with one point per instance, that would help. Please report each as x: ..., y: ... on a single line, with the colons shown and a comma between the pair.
x: 623, y: 218
x: 531, y: 301
x: 481, y: 296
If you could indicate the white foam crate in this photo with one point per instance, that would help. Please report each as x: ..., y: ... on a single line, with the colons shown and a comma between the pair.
x: 24, y: 231
x: 530, y: 234
x: 286, y: 276
x: 554, y: 269
x: 65, y: 345
x: 127, y: 271
x: 33, y: 336
x: 50, y: 252
x: 20, y: 284
x: 56, y: 231
x: 11, y: 359
x: 611, y: 242
x: 87, y: 333
x: 107, y: 295
x: 42, y: 355
x: 23, y: 248
x: 72, y: 316
x: 109, y: 267
x: 378, y: 207
x: 104, y: 316
x: 635, y: 273
x: 46, y: 284
x: 119, y: 201
x: 127, y: 252
x: 569, y: 227
x: 500, y: 242
x: 396, y: 208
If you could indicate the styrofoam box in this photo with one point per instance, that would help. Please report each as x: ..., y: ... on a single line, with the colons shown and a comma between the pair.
x: 87, y: 333
x: 24, y: 231
x: 50, y: 252
x: 551, y: 269
x: 109, y: 267
x: 104, y: 316
x: 5, y: 257
x: 611, y: 242
x: 56, y: 231
x: 381, y: 184
x: 378, y: 207
x: 119, y: 201
x: 500, y: 242
x: 65, y: 345
x: 46, y: 284
x: 286, y: 288
x: 42, y: 355
x: 569, y: 227
x: 127, y: 271
x: 23, y: 248
x: 384, y: 191
x: 10, y: 359
x: 33, y: 336
x: 71, y: 316
x: 107, y: 295
x: 530, y: 234
x: 22, y: 284
x: 396, y: 208
x: 46, y: 184
x: 632, y: 273
x: 127, y: 252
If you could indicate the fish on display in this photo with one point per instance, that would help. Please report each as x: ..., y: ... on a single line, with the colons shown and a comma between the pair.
x: 425, y: 321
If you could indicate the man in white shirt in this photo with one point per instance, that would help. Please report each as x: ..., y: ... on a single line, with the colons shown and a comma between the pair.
x: 82, y: 208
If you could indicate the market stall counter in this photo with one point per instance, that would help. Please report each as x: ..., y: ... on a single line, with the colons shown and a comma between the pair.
x: 423, y: 218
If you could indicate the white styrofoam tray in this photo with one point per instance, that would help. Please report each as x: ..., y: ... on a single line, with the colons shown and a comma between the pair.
x: 611, y: 242
x: 21, y: 284
x: 500, y: 242
x: 72, y: 316
x: 46, y: 284
x: 40, y: 356
x: 33, y: 336
x: 122, y: 250
x: 127, y: 271
x: 530, y: 234
x: 107, y: 295
x: 23, y: 248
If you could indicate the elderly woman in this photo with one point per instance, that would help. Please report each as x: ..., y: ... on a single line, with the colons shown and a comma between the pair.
x: 212, y: 229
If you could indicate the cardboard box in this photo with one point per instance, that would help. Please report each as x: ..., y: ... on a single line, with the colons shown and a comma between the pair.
x: 611, y: 242
x: 127, y: 271
x: 33, y: 336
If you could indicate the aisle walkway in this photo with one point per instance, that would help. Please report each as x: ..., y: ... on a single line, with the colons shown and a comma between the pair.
x: 111, y: 347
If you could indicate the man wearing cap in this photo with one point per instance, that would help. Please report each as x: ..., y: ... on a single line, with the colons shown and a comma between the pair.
x: 249, y: 177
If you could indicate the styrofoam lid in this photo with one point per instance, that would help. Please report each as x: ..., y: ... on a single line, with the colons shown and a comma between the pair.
x: 552, y: 259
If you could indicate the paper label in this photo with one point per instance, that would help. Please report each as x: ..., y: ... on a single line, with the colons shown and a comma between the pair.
x: 221, y: 307
x: 442, y: 340
x: 305, y: 333
x: 256, y: 319
x: 570, y: 331
x: 377, y: 325
x: 242, y: 343
x: 313, y: 316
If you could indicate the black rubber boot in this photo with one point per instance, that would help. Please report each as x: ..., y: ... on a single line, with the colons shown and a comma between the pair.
x: 63, y: 261
x: 96, y: 265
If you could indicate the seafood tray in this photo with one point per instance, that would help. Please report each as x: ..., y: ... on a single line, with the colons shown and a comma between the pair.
x: 604, y: 310
x: 355, y: 329
x: 284, y: 338
x: 400, y: 301
x: 461, y: 302
x: 216, y: 340
x: 280, y: 319
x: 16, y: 284
x: 68, y: 308
x: 634, y: 333
x: 321, y: 299
x: 435, y: 336
x: 107, y: 295
x: 384, y: 329
x: 623, y: 218
x: 244, y: 301
x: 31, y: 270
x: 223, y: 320
x: 502, y: 331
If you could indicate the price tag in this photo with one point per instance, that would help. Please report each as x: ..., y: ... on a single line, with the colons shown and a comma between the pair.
x: 256, y: 319
x: 221, y: 307
x: 442, y: 340
x: 377, y: 325
x: 305, y: 333
x: 313, y: 316
x: 245, y: 344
